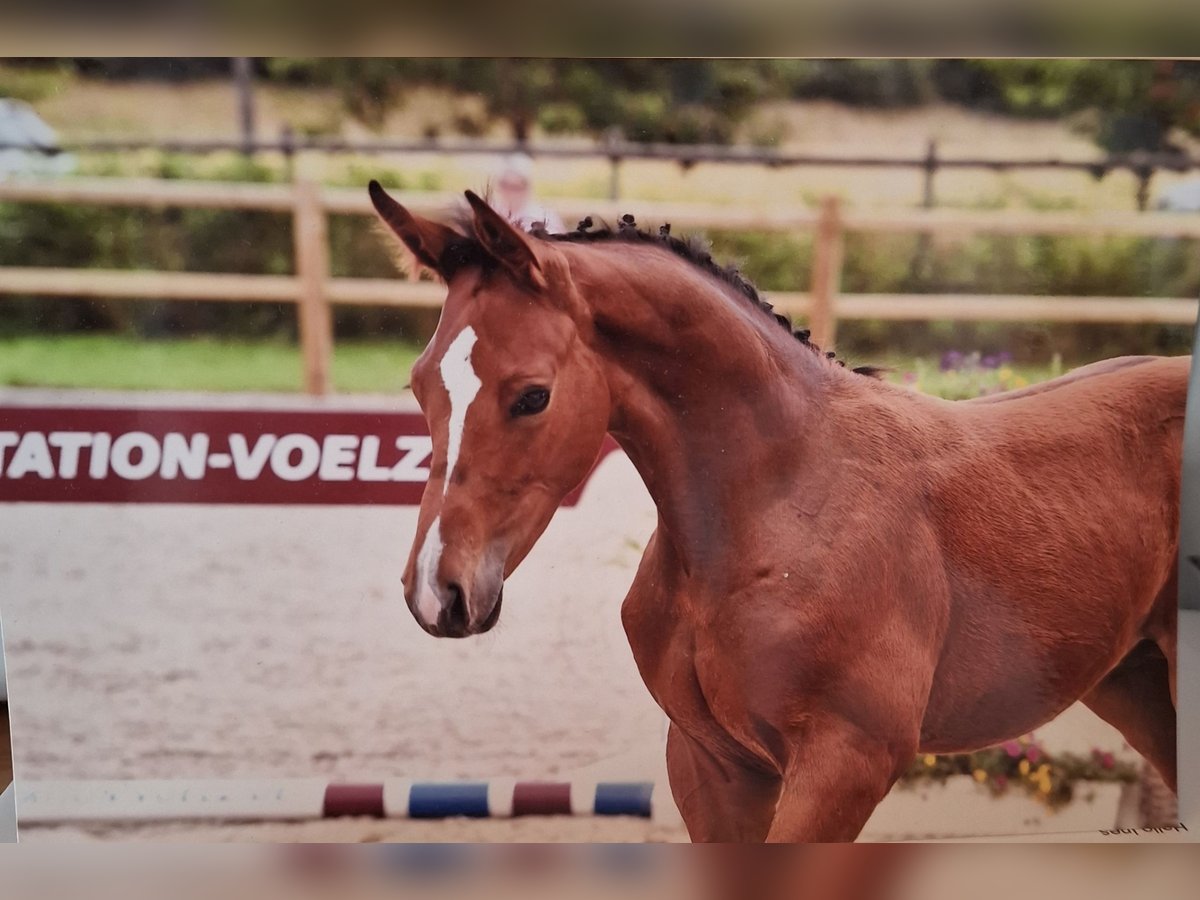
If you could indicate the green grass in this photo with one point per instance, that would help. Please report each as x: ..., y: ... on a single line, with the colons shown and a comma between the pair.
x: 195, y: 364
x: 112, y: 362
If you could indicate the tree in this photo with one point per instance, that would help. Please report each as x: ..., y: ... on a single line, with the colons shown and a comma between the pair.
x: 1139, y: 103
x: 651, y: 100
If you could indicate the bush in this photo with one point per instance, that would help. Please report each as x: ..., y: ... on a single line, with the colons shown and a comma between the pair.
x: 643, y: 115
x: 561, y: 118
x: 32, y: 85
x: 261, y: 243
x: 862, y: 82
x: 1056, y: 266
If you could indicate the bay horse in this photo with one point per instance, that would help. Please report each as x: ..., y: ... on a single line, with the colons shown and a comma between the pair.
x: 845, y: 572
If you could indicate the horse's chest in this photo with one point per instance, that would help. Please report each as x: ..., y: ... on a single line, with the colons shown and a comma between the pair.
x: 692, y: 676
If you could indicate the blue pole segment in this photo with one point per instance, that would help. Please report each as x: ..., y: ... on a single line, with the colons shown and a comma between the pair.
x: 445, y: 801
x: 623, y: 798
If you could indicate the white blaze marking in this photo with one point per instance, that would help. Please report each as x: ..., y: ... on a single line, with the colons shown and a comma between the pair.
x: 428, y: 604
x: 462, y: 384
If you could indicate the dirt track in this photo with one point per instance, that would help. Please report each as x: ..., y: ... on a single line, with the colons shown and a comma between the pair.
x: 159, y: 641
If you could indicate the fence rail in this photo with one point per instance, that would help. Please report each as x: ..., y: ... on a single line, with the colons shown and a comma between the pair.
x: 314, y: 291
x: 616, y: 150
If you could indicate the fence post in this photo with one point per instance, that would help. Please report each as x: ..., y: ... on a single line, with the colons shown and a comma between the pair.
x: 931, y: 167
x: 826, y: 273
x: 312, y: 270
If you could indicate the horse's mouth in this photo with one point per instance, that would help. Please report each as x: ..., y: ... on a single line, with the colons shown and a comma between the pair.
x: 464, y: 630
x: 494, y: 616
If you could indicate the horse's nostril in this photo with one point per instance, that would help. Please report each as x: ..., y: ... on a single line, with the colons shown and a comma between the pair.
x: 452, y: 620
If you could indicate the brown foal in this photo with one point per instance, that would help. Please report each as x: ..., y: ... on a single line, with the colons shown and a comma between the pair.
x: 844, y: 572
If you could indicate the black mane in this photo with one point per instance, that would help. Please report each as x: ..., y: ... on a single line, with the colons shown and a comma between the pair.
x: 693, y: 249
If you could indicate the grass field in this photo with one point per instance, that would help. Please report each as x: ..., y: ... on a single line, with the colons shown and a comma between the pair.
x: 196, y: 364
x: 107, y: 362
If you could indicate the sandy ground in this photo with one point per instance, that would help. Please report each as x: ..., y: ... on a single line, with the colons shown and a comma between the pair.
x: 159, y: 641
x: 152, y: 641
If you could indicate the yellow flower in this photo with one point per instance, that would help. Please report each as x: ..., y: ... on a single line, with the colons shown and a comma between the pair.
x: 1044, y: 785
x: 1043, y: 771
x: 930, y: 759
x: 980, y: 776
x: 1024, y: 767
x: 1005, y: 372
x: 1020, y: 382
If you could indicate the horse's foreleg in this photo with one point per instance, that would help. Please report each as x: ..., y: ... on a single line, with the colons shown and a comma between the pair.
x: 835, y: 778
x: 719, y: 800
x: 1135, y: 698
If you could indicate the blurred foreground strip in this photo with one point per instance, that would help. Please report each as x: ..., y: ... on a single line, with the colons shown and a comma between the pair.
x: 530, y: 872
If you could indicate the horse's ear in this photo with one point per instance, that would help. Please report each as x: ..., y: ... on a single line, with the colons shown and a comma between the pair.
x: 425, y: 238
x: 506, y: 244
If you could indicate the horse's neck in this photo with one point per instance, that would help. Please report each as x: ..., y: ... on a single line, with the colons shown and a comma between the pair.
x: 710, y: 400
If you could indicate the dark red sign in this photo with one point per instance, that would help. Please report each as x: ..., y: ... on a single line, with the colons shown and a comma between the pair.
x: 131, y: 455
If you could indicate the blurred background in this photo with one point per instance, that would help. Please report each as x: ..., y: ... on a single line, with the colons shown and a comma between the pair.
x: 1069, y: 187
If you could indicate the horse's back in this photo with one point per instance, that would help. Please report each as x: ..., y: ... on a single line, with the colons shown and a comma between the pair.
x: 1132, y: 391
x: 1087, y: 470
x: 1057, y: 513
x: 1085, y: 475
x: 1092, y: 370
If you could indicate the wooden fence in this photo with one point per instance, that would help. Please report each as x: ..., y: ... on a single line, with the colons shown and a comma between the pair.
x: 314, y: 291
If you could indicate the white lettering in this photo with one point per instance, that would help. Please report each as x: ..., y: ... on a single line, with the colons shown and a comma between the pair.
x: 7, y: 439
x: 31, y: 455
x: 248, y: 464
x: 138, y: 455
x: 98, y: 464
x: 281, y: 457
x: 418, y: 448
x: 69, y: 443
x: 337, y: 457
x: 368, y: 461
x: 178, y: 455
x: 148, y: 452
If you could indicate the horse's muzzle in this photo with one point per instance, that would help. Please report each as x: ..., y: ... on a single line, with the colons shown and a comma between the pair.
x: 455, y: 619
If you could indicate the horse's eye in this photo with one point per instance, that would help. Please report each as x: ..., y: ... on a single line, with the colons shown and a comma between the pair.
x: 532, y: 402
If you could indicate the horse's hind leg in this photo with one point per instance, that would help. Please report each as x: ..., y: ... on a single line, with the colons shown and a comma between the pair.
x: 1135, y: 698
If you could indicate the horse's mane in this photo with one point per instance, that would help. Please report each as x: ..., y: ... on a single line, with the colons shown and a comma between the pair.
x: 693, y: 249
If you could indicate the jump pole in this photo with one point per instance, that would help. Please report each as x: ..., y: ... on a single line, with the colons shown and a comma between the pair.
x: 306, y: 799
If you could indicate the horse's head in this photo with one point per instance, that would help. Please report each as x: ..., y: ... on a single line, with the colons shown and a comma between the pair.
x: 516, y: 403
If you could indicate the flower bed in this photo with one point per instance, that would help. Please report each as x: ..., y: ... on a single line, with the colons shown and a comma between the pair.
x: 1016, y: 788
x: 960, y: 807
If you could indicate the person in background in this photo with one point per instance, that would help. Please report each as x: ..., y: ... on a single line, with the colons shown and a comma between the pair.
x: 514, y: 196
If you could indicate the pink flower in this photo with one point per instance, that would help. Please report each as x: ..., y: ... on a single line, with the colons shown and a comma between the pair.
x: 1033, y: 754
x: 1107, y: 761
x: 1012, y: 748
x: 1001, y: 782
